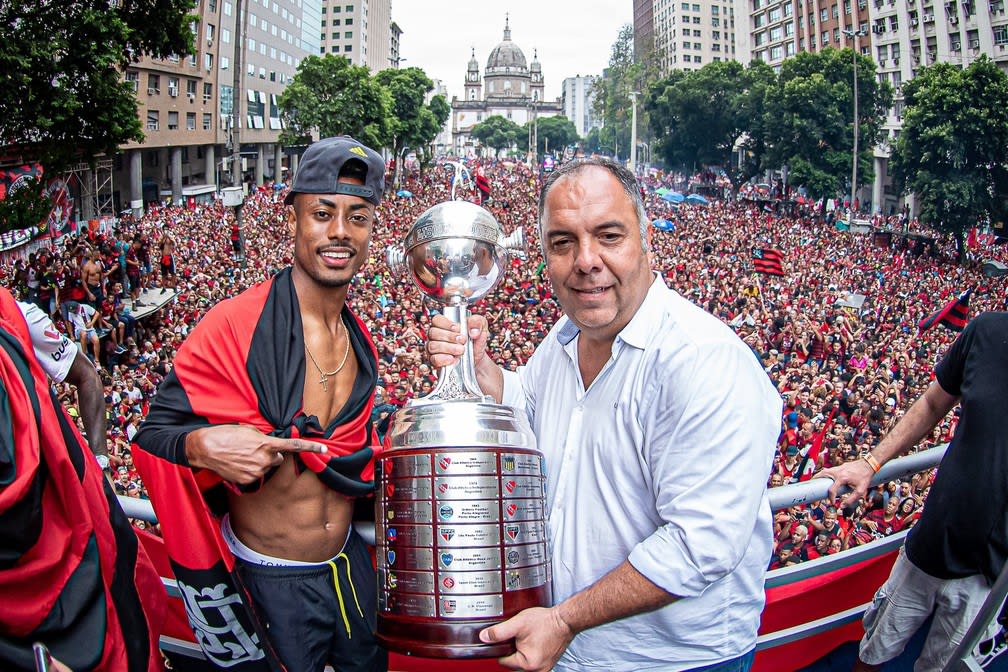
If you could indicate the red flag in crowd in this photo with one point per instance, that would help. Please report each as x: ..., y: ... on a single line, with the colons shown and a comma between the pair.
x: 810, y: 459
x: 954, y: 315
x: 767, y: 260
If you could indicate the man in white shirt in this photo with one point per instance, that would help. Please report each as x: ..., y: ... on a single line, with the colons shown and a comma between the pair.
x: 83, y: 319
x: 658, y: 428
x: 63, y: 361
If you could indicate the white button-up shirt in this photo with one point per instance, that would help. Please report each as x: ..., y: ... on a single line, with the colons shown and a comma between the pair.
x: 663, y: 460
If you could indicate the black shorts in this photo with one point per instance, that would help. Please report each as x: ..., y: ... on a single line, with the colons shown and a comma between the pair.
x: 320, y: 614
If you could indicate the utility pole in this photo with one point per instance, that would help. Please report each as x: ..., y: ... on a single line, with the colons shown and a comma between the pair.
x: 854, y: 34
x: 633, y: 131
x: 236, y: 105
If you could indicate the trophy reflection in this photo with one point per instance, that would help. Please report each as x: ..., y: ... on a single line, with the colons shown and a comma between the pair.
x: 460, y: 506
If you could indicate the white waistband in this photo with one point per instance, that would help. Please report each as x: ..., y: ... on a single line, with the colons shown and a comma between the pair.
x: 245, y: 553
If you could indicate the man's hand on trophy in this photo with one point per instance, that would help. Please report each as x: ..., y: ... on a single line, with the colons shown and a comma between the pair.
x: 540, y: 636
x: 446, y: 343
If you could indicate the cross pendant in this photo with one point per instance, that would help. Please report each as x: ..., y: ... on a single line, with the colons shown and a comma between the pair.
x: 322, y: 381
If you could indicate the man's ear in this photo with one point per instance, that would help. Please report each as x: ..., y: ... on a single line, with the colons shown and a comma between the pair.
x: 292, y: 218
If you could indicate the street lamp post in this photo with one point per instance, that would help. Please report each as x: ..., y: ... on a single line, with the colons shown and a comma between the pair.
x: 854, y: 34
x: 633, y: 131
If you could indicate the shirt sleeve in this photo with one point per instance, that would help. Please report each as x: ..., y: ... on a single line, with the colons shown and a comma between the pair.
x: 714, y: 418
x: 54, y: 351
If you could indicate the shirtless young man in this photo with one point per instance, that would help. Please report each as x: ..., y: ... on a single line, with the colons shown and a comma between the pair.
x: 272, y: 392
x: 91, y: 278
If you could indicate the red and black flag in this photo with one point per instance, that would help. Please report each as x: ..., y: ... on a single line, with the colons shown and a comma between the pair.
x: 72, y: 572
x: 954, y: 315
x: 767, y: 260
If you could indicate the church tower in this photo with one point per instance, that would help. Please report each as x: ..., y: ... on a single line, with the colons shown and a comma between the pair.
x: 473, y: 85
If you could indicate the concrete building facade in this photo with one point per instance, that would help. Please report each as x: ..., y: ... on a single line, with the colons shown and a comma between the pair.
x: 192, y: 116
x: 578, y: 99
x: 686, y: 35
x: 360, y: 31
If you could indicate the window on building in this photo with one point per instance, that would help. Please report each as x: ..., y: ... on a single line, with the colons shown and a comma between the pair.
x: 759, y: 20
x: 696, y: 19
x: 337, y: 22
x: 190, y: 121
x: 788, y: 9
x: 697, y: 47
x: 715, y: 47
x: 824, y: 16
x: 348, y: 22
x: 207, y: 91
x: 776, y: 53
x: 825, y: 37
x: 347, y: 47
x: 714, y: 10
x: 323, y: 23
x: 716, y: 34
x: 348, y: 8
x: 134, y: 79
x: 1001, y: 35
x: 153, y: 84
x: 173, y: 121
x: 775, y: 33
x: 207, y: 121
x: 687, y: 58
x: 716, y: 22
x: 774, y: 14
x: 759, y: 39
x: 348, y: 34
x: 190, y: 88
x: 789, y: 29
x: 153, y: 120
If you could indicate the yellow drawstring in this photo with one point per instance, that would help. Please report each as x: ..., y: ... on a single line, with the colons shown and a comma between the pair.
x: 339, y: 593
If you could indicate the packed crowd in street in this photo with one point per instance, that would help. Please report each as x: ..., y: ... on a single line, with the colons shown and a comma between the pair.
x: 846, y: 371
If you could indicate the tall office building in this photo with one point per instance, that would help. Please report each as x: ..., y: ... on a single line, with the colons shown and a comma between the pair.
x: 577, y: 99
x: 360, y: 30
x: 190, y: 110
x: 687, y: 35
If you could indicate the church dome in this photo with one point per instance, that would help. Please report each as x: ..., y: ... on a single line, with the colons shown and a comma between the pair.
x: 506, y: 56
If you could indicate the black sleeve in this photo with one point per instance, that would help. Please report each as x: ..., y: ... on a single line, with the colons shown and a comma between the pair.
x: 949, y: 371
x: 169, y: 421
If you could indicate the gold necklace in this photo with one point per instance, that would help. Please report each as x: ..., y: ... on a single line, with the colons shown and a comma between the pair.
x: 326, y: 375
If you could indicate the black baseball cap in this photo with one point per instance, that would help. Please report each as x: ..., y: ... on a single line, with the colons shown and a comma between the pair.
x: 321, y: 165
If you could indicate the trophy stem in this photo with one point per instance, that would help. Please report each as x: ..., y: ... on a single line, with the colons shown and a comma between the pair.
x: 457, y: 382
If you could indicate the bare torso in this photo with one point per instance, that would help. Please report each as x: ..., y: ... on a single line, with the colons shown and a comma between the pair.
x: 91, y: 274
x: 294, y: 516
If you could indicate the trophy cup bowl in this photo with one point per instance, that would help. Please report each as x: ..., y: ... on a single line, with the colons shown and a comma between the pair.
x: 459, y: 505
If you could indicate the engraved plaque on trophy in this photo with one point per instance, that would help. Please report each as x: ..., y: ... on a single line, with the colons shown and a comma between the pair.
x: 460, y: 506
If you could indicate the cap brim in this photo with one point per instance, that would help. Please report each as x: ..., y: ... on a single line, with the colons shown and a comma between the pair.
x: 289, y: 198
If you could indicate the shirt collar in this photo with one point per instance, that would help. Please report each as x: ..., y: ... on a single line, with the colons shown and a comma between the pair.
x: 638, y: 329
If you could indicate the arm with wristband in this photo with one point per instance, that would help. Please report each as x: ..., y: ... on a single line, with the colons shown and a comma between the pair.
x: 918, y: 422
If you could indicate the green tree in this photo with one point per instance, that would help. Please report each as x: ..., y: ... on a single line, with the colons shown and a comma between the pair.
x: 626, y: 73
x: 62, y: 97
x: 435, y: 114
x: 701, y: 116
x: 497, y: 132
x: 329, y: 96
x: 411, y: 120
x: 951, y: 150
x: 809, y: 119
x: 552, y: 134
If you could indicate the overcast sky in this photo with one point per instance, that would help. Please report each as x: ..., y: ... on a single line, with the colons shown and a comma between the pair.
x: 573, y: 37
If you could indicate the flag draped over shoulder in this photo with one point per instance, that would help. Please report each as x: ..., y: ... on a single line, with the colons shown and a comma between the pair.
x: 72, y: 573
x: 767, y: 260
x: 954, y: 314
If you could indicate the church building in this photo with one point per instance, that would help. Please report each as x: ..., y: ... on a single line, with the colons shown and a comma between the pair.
x: 510, y: 87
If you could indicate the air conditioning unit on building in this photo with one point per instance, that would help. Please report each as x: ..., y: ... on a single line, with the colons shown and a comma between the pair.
x: 929, y: 18
x: 974, y: 44
x: 953, y: 19
x: 895, y: 60
x: 913, y: 21
x: 192, y: 97
x: 878, y: 29
x: 956, y: 46
x: 173, y: 91
x: 151, y: 91
x: 882, y: 62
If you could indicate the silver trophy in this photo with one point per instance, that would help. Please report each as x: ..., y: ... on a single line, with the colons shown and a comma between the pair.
x: 460, y: 506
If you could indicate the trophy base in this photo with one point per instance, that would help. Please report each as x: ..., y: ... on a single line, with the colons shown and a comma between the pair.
x: 441, y: 640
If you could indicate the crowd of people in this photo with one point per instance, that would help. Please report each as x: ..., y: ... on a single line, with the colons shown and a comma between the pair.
x: 846, y: 374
